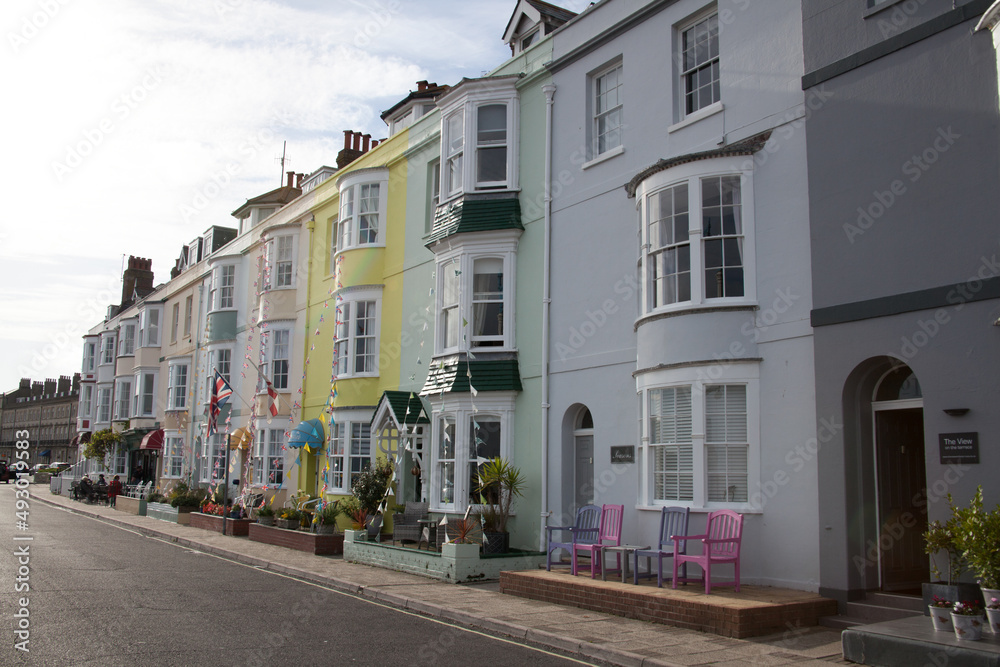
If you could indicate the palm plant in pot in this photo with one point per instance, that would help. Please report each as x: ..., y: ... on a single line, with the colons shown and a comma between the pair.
x: 499, y: 483
x: 325, y: 519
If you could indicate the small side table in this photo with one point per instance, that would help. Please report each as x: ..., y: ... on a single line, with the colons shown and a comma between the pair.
x: 626, y: 551
x: 430, y: 530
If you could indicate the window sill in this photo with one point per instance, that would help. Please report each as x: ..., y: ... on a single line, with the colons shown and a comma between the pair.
x: 700, y: 114
x: 606, y: 155
x: 703, y: 509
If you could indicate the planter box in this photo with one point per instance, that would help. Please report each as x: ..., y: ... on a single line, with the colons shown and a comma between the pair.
x: 321, y: 545
x: 131, y: 505
x: 953, y: 593
x: 236, y: 527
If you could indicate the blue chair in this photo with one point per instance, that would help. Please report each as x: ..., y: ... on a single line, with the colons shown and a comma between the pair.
x: 585, y: 530
x: 673, y: 521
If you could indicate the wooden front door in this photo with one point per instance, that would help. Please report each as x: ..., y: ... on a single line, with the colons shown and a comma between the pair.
x: 902, y: 485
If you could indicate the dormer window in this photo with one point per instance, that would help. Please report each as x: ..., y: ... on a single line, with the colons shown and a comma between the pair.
x: 530, y: 39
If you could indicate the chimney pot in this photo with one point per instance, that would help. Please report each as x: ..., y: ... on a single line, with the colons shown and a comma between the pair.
x: 291, y: 177
x: 347, y: 139
x: 421, y: 85
x: 367, y: 144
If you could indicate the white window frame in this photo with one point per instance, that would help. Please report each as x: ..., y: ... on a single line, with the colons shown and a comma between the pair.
x: 90, y: 356
x: 278, y: 339
x: 460, y: 135
x: 222, y: 295
x: 123, y: 398
x: 86, y: 401
x: 348, y: 350
x: 221, y: 358
x: 126, y: 339
x: 178, y: 383
x: 599, y: 112
x: 348, y: 449
x: 704, y: 17
x: 175, y: 324
x: 693, y: 175
x: 433, y: 192
x: 268, y: 459
x: 173, y: 454
x: 150, y: 322
x: 497, y: 407
x: 188, y: 313
x: 364, y: 200
x: 104, y: 395
x: 461, y: 262
x: 214, y: 450
x: 698, y: 378
x: 283, y: 249
x: 141, y: 393
x: 107, y: 349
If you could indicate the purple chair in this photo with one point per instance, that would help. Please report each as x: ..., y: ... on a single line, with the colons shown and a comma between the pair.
x: 673, y: 521
x: 583, y: 531
x: 720, y: 544
x: 610, y: 536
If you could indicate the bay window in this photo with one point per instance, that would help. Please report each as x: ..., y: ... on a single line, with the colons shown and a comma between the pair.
x: 277, y: 357
x: 126, y: 339
x: 697, y: 236
x: 474, y: 292
x: 699, y: 443
x: 350, y: 449
x: 86, y: 400
x: 144, y: 399
x: 107, y: 349
x: 268, y: 461
x: 363, y: 201
x: 222, y: 294
x: 149, y: 327
x: 480, y: 116
x: 284, y: 261
x: 89, y: 357
x: 103, y: 405
x: 123, y: 398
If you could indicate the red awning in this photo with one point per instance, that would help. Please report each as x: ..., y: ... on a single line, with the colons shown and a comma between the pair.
x: 153, y: 440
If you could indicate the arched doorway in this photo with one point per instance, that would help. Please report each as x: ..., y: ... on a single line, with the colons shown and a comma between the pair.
x: 583, y: 448
x: 900, y: 480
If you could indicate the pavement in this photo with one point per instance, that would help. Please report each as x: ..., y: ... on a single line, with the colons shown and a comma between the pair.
x: 587, y: 635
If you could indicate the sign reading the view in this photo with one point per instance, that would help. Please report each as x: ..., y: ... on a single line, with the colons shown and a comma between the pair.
x: 623, y: 454
x: 959, y: 447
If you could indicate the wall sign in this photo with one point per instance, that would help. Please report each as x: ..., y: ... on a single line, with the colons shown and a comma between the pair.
x: 624, y: 454
x: 959, y: 447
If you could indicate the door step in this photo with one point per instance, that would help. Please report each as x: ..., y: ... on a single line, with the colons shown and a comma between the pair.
x: 875, y: 608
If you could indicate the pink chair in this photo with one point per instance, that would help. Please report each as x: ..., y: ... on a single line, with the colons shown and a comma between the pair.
x: 610, y: 536
x: 720, y: 544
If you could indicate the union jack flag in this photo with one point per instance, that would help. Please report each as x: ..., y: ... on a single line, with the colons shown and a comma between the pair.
x: 221, y: 391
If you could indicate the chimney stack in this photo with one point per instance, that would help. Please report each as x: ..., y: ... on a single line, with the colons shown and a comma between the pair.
x: 138, y: 276
x: 421, y: 86
x: 291, y: 178
x: 367, y: 144
x: 298, y: 180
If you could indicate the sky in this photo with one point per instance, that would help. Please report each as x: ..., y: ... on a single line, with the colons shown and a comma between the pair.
x: 132, y: 126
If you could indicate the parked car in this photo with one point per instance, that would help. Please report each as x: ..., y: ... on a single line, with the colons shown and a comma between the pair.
x: 5, y: 472
x: 59, y: 465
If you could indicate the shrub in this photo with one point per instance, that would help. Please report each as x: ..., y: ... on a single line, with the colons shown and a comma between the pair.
x: 371, y: 485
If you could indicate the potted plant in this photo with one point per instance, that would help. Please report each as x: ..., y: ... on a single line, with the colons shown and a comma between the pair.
x: 967, y: 618
x: 977, y: 537
x: 944, y: 536
x: 326, y: 519
x: 289, y: 518
x: 370, y: 489
x: 265, y: 515
x: 499, y: 483
x: 940, y: 610
x: 993, y: 615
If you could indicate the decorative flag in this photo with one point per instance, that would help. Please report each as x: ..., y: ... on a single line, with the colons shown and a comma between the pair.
x: 221, y: 392
x: 272, y: 396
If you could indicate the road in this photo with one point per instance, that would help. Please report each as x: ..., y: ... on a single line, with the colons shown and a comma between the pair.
x: 102, y: 595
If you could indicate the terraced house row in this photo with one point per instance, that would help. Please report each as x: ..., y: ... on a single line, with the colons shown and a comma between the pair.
x: 650, y: 259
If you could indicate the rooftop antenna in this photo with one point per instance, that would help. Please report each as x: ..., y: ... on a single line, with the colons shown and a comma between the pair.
x: 282, y: 160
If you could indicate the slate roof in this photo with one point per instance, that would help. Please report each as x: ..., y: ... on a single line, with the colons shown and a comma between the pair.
x: 406, y: 407
x: 492, y: 375
x: 472, y: 214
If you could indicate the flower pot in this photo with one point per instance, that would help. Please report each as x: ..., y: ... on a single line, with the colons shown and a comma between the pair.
x: 969, y: 628
x: 993, y: 618
x: 289, y: 524
x: 989, y: 593
x: 941, y: 618
x: 325, y: 528
x: 265, y: 520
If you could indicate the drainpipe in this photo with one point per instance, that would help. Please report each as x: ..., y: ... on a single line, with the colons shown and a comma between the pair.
x: 202, y: 312
x: 550, y: 90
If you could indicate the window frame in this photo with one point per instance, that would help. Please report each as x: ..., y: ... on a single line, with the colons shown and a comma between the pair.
x: 347, y: 430
x: 462, y: 413
x: 150, y: 321
x: 108, y: 348
x: 177, y: 392
x: 140, y: 394
x: 86, y: 401
x: 215, y: 359
x: 345, y: 349
x: 595, y: 114
x: 173, y: 455
x: 463, y: 260
x: 693, y: 175
x: 263, y: 460
x: 355, y: 190
x: 188, y: 313
x: 126, y: 338
x: 706, y: 14
x: 272, y: 335
x: 104, y: 403
x: 90, y: 351
x: 214, y: 449
x: 282, y: 270
x: 698, y: 379
x: 123, y: 399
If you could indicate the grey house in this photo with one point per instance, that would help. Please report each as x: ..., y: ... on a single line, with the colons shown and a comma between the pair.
x: 903, y: 170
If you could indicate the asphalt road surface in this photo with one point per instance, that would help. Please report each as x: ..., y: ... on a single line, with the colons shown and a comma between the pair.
x: 101, y: 595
